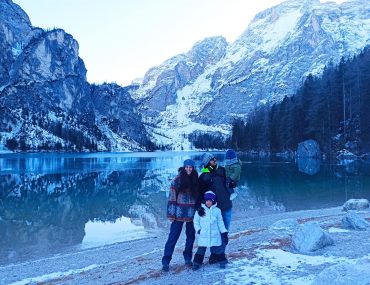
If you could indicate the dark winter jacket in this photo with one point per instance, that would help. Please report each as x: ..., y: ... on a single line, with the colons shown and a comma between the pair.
x: 215, y: 180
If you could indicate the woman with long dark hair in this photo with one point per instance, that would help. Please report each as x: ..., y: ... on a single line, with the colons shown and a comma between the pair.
x: 180, y: 209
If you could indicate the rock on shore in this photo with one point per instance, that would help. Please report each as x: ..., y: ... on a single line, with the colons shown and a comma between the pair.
x: 258, y: 253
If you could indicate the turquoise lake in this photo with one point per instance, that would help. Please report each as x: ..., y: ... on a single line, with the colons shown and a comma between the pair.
x: 57, y: 203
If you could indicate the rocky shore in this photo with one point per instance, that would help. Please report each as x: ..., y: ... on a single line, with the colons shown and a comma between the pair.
x: 262, y: 250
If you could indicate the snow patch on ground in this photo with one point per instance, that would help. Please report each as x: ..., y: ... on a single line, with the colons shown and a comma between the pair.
x: 53, y: 275
x: 275, y: 266
x: 337, y: 230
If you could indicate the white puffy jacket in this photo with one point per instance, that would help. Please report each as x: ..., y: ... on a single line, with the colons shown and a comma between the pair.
x: 211, y: 226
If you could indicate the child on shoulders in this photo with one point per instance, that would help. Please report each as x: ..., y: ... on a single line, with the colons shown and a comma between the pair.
x: 233, y: 167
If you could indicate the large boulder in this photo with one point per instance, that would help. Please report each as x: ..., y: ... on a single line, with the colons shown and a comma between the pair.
x: 309, y: 148
x: 308, y: 165
x: 353, y: 221
x: 310, y: 237
x: 356, y: 204
x: 344, y: 274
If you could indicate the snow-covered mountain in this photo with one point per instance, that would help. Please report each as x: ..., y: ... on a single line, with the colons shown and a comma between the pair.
x: 204, y: 89
x: 46, y: 102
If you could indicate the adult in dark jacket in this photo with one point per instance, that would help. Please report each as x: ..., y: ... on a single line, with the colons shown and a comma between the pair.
x: 180, y: 209
x: 213, y: 178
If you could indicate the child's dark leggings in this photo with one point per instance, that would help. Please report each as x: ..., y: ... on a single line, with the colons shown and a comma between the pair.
x: 214, y: 249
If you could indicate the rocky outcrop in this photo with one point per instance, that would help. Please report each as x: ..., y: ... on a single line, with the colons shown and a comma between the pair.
x: 308, y: 165
x: 202, y: 90
x: 353, y: 221
x: 308, y: 157
x: 344, y: 274
x: 270, y: 60
x: 46, y: 102
x: 356, y: 204
x: 308, y: 148
x: 117, y: 117
x: 160, y: 84
x: 15, y: 27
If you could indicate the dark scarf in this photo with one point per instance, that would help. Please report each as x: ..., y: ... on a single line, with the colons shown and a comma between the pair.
x: 212, y: 169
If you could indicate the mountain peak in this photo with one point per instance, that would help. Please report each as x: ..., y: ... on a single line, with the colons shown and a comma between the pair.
x: 46, y: 102
x: 270, y: 60
x: 209, y: 50
x: 11, y: 13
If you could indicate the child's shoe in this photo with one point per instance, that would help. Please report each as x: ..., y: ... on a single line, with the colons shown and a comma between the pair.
x: 212, y: 258
x: 221, y: 258
x: 195, y: 266
x: 197, y: 261
x: 233, y: 196
x: 165, y: 268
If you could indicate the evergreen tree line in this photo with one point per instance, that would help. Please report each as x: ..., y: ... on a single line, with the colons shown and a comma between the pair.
x: 331, y: 109
x: 209, y: 141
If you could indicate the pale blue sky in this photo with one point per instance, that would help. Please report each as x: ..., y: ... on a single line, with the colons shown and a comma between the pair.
x: 121, y: 39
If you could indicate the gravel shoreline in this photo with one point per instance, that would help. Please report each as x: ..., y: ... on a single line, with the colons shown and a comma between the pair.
x: 253, y: 247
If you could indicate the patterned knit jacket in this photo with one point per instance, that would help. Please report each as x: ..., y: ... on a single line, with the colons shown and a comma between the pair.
x: 180, y: 206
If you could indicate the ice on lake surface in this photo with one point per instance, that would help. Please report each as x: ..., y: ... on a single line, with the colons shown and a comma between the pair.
x: 53, y: 203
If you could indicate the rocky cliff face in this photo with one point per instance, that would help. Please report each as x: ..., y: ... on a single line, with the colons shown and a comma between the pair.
x: 160, y: 84
x: 270, y: 60
x: 46, y: 102
x: 117, y: 117
x: 15, y: 26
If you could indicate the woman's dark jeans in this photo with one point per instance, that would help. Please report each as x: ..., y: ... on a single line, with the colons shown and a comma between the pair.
x: 173, y: 236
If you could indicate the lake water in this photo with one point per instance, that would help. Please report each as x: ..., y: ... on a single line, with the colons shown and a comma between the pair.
x: 56, y: 203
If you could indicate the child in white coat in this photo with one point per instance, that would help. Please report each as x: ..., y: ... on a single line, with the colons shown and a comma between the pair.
x: 211, y: 230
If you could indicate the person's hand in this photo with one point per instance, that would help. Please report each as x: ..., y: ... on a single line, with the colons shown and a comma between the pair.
x: 225, y: 237
x: 198, y: 232
x: 232, y: 184
x: 201, y: 212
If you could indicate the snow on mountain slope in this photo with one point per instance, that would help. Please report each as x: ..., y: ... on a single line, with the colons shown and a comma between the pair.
x: 41, y: 73
x: 270, y: 60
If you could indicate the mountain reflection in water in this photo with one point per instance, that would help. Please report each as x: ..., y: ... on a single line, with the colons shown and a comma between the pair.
x: 52, y: 203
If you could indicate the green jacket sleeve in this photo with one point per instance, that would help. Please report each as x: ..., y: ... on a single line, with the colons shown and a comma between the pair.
x: 234, y: 171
